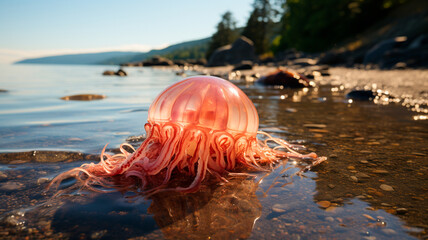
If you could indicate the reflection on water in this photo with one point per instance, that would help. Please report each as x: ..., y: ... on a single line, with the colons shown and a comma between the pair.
x: 373, y: 185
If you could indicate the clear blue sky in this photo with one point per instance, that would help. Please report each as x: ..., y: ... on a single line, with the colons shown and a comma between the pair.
x: 32, y: 28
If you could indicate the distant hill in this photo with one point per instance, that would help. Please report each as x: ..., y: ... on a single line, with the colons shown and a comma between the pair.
x: 186, y: 50
x: 84, y: 58
x: 191, y: 49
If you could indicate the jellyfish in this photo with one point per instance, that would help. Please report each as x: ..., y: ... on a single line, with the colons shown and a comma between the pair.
x: 199, y: 125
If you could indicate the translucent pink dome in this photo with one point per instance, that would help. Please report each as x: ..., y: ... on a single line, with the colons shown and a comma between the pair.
x: 206, y: 101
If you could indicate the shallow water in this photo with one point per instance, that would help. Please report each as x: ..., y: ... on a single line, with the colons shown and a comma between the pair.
x: 373, y: 185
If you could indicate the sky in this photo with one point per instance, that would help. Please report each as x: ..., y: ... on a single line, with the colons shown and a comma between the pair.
x: 37, y: 28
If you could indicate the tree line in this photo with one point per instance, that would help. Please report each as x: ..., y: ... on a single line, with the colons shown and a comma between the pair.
x: 305, y: 25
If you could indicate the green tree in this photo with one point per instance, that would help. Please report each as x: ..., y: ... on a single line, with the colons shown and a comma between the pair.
x: 259, y: 25
x: 313, y: 25
x: 226, y: 33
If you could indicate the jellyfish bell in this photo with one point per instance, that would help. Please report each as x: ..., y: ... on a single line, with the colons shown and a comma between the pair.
x: 198, y: 125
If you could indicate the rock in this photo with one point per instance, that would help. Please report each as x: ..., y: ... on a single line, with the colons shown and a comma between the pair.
x: 280, y: 208
x: 304, y: 62
x: 3, y: 90
x: 201, y: 62
x: 45, y: 156
x: 11, y: 186
x: 389, y: 231
x: 312, y: 125
x: 350, y: 167
x: 2, y: 175
x: 286, y: 78
x: 331, y: 185
x: 109, y: 73
x: 241, y: 50
x: 354, y: 178
x: 119, y: 72
x: 333, y: 58
x: 361, y: 175
x: 401, y: 210
x: 380, y: 171
x: 377, y: 52
x: 324, y: 204
x: 84, y: 97
x: 244, y: 65
x: 42, y: 180
x: 158, y: 61
x: 361, y: 95
x: 180, y: 63
x: 386, y: 188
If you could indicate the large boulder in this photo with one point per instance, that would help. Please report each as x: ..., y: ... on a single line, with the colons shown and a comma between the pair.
x: 242, y: 49
x: 377, y: 53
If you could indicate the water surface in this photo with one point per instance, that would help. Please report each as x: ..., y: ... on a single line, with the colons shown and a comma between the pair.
x: 368, y: 146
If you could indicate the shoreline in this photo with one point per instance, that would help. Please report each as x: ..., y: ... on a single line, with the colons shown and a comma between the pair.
x: 408, y: 87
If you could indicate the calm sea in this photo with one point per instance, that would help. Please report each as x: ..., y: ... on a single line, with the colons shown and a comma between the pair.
x: 33, y: 115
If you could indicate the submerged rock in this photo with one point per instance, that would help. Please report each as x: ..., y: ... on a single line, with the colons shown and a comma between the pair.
x: 83, y: 97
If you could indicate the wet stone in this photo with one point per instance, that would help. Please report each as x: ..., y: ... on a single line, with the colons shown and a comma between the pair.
x: 386, y: 188
x: 361, y: 175
x: 42, y: 180
x: 2, y: 175
x: 364, y: 161
x: 331, y: 186
x: 401, y: 210
x: 11, y: 186
x: 354, y: 178
x: 351, y: 167
x: 310, y: 125
x: 324, y: 204
x: 380, y: 171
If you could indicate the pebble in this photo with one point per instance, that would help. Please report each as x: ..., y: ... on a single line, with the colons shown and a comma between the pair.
x: 331, y: 186
x: 389, y: 231
x: 385, y: 204
x: 361, y: 175
x: 42, y: 180
x: 354, y: 178
x: 380, y: 171
x: 11, y: 186
x: 310, y: 125
x: 279, y: 208
x: 351, y: 167
x: 330, y: 219
x: 2, y: 175
x: 401, y: 210
x: 324, y: 204
x: 332, y: 156
x: 369, y: 217
x: 386, y: 188
x: 364, y: 161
